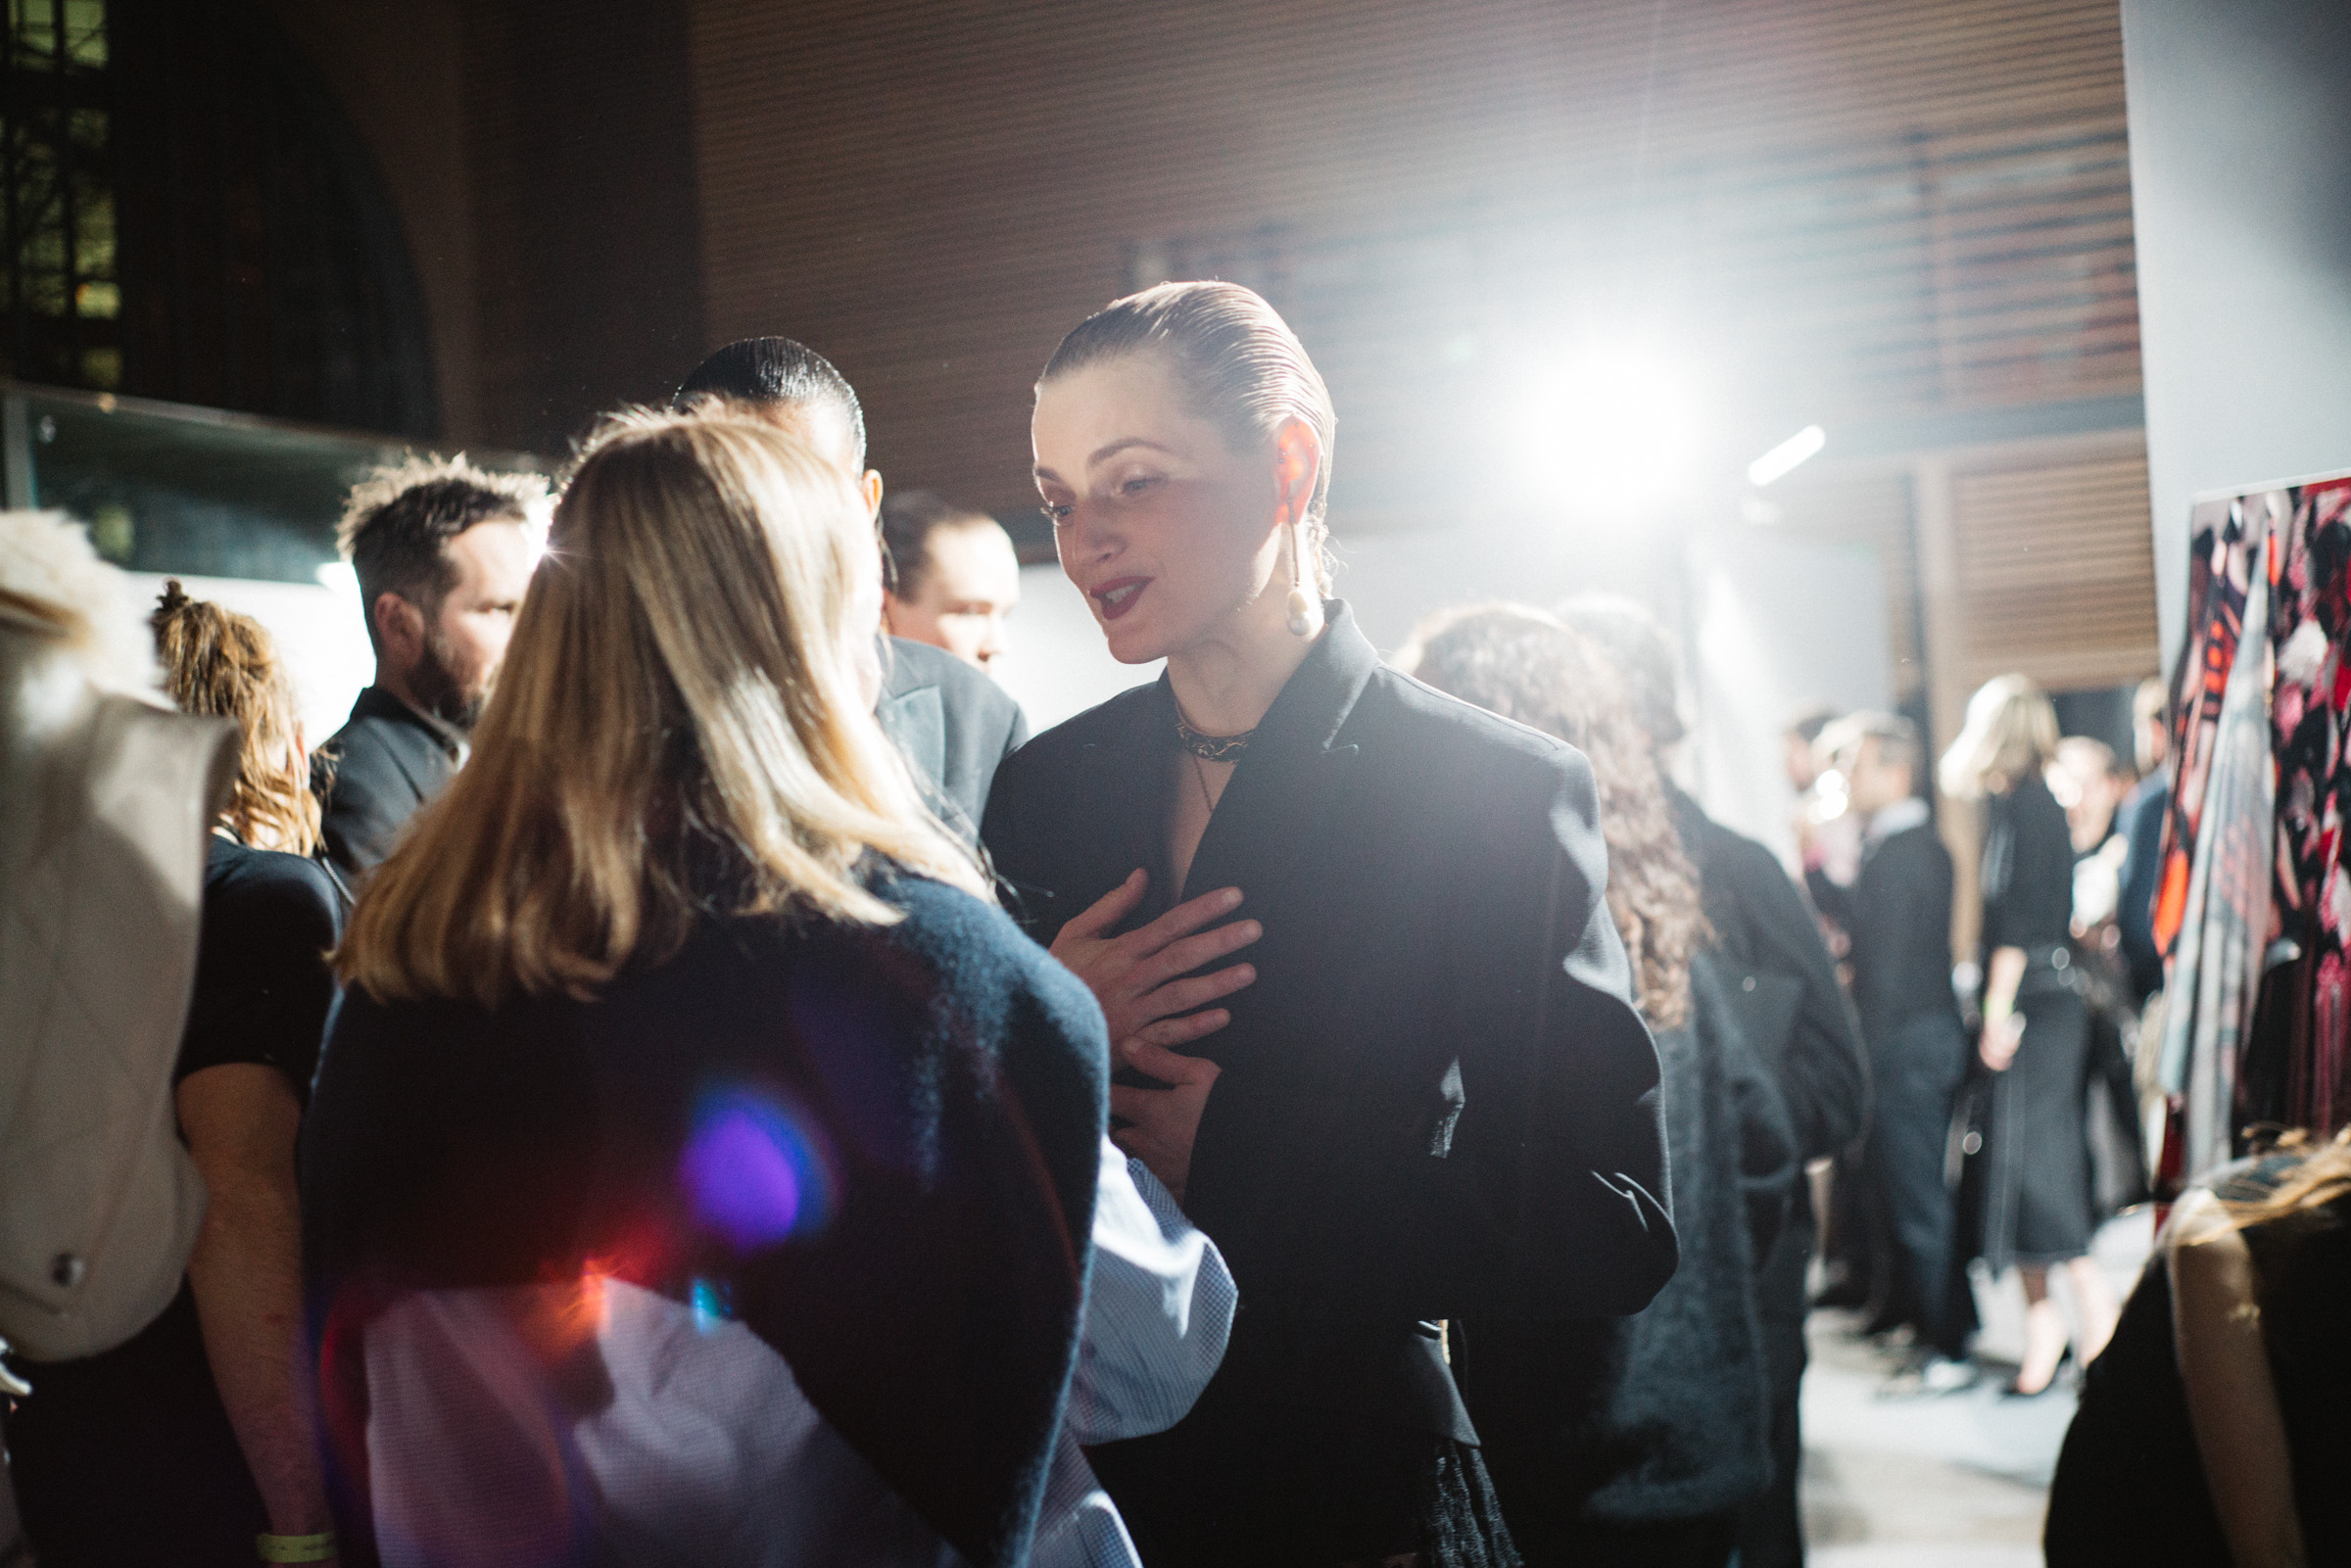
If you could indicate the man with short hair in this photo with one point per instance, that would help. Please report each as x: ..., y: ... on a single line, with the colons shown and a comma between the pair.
x: 1898, y: 910
x: 443, y: 552
x: 954, y: 577
x: 953, y: 723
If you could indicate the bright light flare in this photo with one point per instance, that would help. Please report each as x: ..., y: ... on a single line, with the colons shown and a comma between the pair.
x: 1777, y: 462
x: 340, y: 577
x: 1615, y: 426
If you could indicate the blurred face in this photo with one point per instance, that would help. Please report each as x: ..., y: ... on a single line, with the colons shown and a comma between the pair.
x: 465, y: 640
x: 1169, y: 533
x: 969, y: 583
x: 1795, y: 755
x: 1872, y: 782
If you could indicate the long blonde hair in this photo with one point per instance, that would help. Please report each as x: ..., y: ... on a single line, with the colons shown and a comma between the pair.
x: 221, y: 663
x: 2010, y: 732
x: 683, y: 727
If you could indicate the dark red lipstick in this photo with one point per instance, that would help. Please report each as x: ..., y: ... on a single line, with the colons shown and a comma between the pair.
x: 1118, y: 595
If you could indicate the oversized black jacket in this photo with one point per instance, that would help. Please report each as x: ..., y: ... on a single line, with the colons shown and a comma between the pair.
x: 1436, y: 1099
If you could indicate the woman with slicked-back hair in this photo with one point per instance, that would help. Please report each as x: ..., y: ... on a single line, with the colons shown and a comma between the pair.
x: 1423, y: 1091
x: 701, y: 1165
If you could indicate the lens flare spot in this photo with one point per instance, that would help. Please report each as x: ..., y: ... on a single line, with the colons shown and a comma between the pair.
x: 750, y: 1172
x: 711, y: 1307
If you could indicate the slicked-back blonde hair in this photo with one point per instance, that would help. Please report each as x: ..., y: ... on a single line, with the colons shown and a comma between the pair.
x: 219, y: 663
x: 2010, y: 730
x: 683, y: 727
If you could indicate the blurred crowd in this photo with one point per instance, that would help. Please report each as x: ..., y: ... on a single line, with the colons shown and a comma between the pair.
x: 683, y: 1076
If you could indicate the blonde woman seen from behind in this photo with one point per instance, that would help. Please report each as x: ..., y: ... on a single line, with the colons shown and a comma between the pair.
x: 702, y: 1164
x: 197, y: 1435
x: 2036, y: 1038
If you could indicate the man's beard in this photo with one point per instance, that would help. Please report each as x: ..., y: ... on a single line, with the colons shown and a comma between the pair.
x: 437, y: 692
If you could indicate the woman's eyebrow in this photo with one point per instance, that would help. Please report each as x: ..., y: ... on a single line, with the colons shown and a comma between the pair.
x: 1104, y: 454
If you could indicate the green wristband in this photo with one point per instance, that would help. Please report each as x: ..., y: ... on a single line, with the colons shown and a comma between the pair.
x: 295, y: 1549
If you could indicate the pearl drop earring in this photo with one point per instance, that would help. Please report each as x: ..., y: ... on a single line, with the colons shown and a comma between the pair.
x: 1301, y: 608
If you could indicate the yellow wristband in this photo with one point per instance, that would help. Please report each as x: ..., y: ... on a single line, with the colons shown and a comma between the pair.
x: 295, y: 1549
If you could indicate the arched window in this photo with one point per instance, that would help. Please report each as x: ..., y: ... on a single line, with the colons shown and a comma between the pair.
x: 189, y: 216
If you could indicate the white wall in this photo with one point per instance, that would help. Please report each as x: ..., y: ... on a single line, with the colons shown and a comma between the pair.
x: 2241, y: 191
x: 320, y: 638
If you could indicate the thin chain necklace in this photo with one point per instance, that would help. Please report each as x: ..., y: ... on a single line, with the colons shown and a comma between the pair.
x: 1212, y: 747
x: 1200, y: 773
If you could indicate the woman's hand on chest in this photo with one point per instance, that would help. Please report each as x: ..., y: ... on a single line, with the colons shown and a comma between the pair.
x: 1140, y: 979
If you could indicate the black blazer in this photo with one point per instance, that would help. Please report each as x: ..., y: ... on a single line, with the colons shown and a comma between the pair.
x: 385, y: 762
x: 1665, y: 1414
x: 1899, y: 912
x: 952, y: 722
x: 1437, y: 1099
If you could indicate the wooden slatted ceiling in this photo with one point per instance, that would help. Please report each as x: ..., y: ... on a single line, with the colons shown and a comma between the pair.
x: 2056, y: 573
x: 1925, y: 204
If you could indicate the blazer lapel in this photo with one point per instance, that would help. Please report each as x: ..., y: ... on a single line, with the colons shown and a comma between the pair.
x: 1127, y: 779
x: 1280, y: 793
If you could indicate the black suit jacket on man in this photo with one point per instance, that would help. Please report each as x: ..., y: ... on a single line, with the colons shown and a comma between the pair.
x: 387, y: 760
x: 1899, y: 912
x: 952, y: 722
x: 1437, y: 1099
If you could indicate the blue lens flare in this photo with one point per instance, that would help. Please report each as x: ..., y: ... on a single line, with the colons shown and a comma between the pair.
x: 752, y: 1171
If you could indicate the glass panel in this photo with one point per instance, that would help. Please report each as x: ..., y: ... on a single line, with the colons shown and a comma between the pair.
x: 167, y: 489
x: 85, y: 32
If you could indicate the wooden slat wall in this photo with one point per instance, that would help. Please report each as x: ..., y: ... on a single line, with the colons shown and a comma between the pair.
x: 1854, y: 207
x: 2058, y: 573
x: 1927, y: 203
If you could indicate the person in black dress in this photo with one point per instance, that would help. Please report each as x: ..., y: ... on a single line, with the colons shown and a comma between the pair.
x: 2216, y: 1428
x: 184, y: 1444
x: 1426, y: 1092
x: 702, y: 1168
x: 2036, y: 1040
x: 1636, y: 1441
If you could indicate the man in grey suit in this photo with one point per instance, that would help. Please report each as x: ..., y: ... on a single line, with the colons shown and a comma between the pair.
x: 443, y: 552
x: 953, y: 723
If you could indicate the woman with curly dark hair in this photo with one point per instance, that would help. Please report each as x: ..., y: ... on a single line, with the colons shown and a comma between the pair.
x: 1635, y: 1439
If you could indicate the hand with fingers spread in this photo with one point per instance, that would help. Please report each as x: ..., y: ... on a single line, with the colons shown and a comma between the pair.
x: 1162, y: 1122
x: 1138, y: 977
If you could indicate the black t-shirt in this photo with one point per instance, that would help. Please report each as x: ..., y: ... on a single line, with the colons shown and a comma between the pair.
x: 263, y: 987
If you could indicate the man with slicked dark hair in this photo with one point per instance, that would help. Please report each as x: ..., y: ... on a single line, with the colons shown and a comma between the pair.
x: 952, y: 722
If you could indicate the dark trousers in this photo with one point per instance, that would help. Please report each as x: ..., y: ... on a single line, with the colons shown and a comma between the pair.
x: 1771, y: 1526
x: 1917, y: 1066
